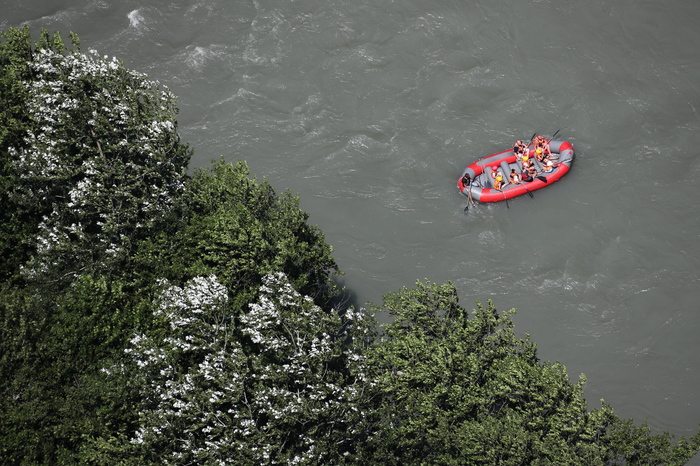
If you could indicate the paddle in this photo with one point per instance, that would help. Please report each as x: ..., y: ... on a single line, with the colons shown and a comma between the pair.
x: 551, y: 139
x: 466, y: 209
x: 504, y: 197
x: 529, y: 193
x: 530, y: 143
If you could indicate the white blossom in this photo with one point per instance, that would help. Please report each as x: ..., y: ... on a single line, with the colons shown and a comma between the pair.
x: 240, y: 397
x: 61, y: 149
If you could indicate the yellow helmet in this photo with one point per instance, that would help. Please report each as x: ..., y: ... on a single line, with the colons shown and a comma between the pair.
x: 499, y: 178
x: 525, y: 157
x: 539, y: 151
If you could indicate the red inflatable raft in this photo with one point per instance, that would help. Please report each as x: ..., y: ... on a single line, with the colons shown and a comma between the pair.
x: 481, y: 188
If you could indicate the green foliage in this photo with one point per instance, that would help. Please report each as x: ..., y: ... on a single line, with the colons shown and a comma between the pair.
x: 53, y: 390
x: 628, y: 444
x: 97, y: 212
x: 275, y: 387
x: 240, y: 230
x: 453, y: 390
x: 90, y: 162
x: 15, y: 57
x: 94, y: 163
x: 19, y: 218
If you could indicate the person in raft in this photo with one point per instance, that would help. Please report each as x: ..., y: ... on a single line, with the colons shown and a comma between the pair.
x: 549, y: 166
x: 467, y: 182
x: 527, y: 162
x: 540, y: 154
x: 542, y: 144
x: 532, y: 171
x: 514, y: 177
x: 495, y: 173
x: 519, y: 149
x: 498, y: 183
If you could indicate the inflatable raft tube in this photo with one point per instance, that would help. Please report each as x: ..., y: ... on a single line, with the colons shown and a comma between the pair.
x: 482, y: 189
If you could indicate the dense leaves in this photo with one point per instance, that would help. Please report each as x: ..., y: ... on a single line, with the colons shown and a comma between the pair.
x: 457, y: 390
x: 91, y: 164
x: 18, y: 221
x: 99, y: 161
x: 248, y: 231
x: 272, y: 388
x: 51, y: 389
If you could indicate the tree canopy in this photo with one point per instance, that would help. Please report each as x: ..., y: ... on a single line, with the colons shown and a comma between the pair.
x: 97, y: 163
x: 272, y: 387
x: 151, y: 315
x: 455, y: 388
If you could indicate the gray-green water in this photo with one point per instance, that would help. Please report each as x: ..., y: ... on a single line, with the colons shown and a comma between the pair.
x: 371, y: 109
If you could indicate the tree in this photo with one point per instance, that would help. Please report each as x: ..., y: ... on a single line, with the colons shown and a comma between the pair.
x: 90, y: 164
x: 17, y: 221
x: 240, y: 230
x: 52, y: 390
x: 457, y: 390
x: 95, y: 162
x: 98, y: 212
x: 249, y: 231
x: 275, y: 386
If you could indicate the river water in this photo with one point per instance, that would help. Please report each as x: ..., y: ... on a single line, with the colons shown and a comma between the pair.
x: 370, y: 109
